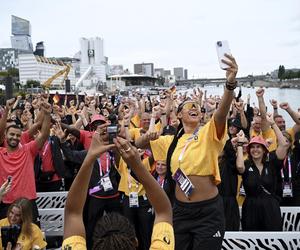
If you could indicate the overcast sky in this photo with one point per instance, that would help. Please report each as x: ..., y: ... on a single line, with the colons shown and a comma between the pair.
x: 262, y: 33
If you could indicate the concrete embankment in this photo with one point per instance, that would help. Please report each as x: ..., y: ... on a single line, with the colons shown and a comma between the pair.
x: 275, y: 84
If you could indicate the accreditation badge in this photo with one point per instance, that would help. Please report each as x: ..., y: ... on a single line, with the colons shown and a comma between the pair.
x: 183, y: 182
x: 106, y: 183
x: 133, y: 199
x: 287, y: 189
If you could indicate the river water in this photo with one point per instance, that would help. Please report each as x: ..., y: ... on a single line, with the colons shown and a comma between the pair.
x: 292, y: 96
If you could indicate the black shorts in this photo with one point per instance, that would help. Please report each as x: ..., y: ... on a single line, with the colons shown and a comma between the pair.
x: 199, y: 225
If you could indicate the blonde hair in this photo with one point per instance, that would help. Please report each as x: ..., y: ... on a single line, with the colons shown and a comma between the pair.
x: 26, y: 214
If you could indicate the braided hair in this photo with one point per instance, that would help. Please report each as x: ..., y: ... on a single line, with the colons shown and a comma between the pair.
x: 114, y: 232
x: 178, y: 134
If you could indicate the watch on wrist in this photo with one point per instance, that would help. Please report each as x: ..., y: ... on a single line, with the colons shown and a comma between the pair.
x: 231, y: 85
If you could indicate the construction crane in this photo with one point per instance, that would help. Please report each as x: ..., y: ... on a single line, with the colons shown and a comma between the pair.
x: 65, y: 72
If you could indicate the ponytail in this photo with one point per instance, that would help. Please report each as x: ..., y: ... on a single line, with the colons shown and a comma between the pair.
x: 179, y: 133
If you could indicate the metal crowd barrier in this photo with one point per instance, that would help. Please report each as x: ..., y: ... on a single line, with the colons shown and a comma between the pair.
x: 51, y: 209
x: 261, y: 240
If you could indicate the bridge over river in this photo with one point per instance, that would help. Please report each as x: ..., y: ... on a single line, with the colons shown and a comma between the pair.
x: 249, y: 81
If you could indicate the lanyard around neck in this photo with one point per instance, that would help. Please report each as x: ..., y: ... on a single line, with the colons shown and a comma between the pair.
x: 187, y: 142
x: 129, y: 179
x: 288, y: 160
x: 107, y: 164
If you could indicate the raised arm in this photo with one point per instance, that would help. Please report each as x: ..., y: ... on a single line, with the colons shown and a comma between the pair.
x: 273, y: 102
x: 75, y: 156
x: 144, y: 140
x: 45, y: 130
x: 3, y: 119
x: 295, y: 115
x: 282, y: 144
x: 155, y: 194
x: 73, y: 221
x: 4, y: 189
x: 240, y: 109
x: 265, y: 125
x: 240, y: 165
x: 71, y: 130
x: 37, y: 125
x: 125, y: 124
x: 224, y: 106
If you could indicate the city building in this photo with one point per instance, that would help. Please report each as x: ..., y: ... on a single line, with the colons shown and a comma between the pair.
x: 167, y: 73
x: 123, y: 82
x: 39, y: 49
x: 116, y: 70
x: 92, y: 63
x: 146, y: 69
x: 41, y: 69
x: 159, y: 72
x: 179, y: 73
x: 9, y: 58
x: 21, y: 34
x: 186, y: 74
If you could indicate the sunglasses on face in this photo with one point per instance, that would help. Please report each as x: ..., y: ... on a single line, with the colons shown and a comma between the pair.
x: 190, y: 105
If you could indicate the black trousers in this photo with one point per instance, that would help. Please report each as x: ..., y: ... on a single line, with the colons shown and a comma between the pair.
x: 94, y: 209
x: 142, y: 219
x: 232, y: 213
x: 35, y: 212
x: 199, y: 225
x: 51, y: 186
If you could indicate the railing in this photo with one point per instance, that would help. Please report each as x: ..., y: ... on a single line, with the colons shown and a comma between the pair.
x: 51, y: 209
x: 51, y: 200
x: 261, y: 240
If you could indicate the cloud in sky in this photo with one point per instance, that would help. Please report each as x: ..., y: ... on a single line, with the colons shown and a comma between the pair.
x: 167, y: 33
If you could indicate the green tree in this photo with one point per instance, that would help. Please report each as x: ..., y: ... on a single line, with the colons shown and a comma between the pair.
x: 14, y: 72
x: 3, y: 73
x: 281, y: 72
x: 160, y: 81
x: 32, y: 83
x: 290, y: 74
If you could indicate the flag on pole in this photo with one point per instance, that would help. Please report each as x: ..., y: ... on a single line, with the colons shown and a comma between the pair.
x: 173, y: 88
x: 56, y: 99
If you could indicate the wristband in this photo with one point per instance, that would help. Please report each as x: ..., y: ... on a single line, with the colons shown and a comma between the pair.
x: 240, y: 144
x: 163, y: 113
x: 126, y: 126
x: 229, y: 86
x: 275, y: 108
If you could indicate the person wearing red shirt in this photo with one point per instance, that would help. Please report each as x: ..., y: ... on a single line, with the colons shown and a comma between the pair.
x: 26, y: 135
x: 84, y: 136
x: 17, y: 160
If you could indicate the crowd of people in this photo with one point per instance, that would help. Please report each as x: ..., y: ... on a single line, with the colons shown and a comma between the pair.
x: 148, y: 172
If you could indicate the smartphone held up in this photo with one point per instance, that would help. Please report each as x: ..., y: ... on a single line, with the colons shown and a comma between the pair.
x: 222, y: 49
x: 112, y: 129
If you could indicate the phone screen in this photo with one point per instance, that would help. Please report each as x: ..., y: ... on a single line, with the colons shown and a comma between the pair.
x: 222, y: 49
x: 112, y: 131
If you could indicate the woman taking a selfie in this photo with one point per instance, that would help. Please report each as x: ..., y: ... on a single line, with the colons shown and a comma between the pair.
x: 20, y: 213
x: 192, y: 156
